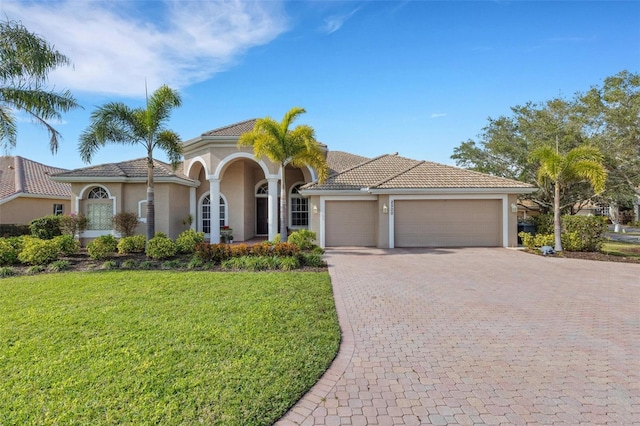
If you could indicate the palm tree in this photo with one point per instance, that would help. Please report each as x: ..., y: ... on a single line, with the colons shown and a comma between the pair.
x: 584, y: 163
x: 283, y: 146
x: 116, y: 123
x: 25, y: 61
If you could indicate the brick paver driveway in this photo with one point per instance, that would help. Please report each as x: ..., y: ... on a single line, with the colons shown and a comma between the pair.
x: 479, y: 336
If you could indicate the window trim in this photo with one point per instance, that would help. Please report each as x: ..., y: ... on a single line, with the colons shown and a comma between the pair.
x: 294, y: 194
x: 223, y: 203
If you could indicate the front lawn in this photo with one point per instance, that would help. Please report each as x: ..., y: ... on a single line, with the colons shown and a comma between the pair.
x: 155, y: 347
x: 620, y: 248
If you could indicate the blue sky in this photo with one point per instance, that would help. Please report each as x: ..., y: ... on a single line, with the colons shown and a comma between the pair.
x: 376, y: 77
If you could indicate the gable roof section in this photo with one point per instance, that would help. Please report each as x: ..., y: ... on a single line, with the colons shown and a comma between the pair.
x: 133, y: 170
x: 340, y: 160
x: 21, y: 176
x: 236, y: 129
x: 393, y: 172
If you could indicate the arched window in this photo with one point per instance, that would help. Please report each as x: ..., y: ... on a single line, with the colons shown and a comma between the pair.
x: 99, y: 209
x: 206, y: 213
x: 97, y: 193
x: 299, y: 208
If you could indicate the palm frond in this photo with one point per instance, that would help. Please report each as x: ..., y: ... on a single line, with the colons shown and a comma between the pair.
x: 8, y: 129
x: 170, y: 143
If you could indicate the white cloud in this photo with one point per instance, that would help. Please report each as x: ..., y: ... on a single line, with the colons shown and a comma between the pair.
x: 438, y: 115
x: 335, y: 22
x: 114, y: 46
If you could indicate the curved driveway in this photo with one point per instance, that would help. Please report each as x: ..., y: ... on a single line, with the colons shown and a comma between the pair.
x: 479, y: 336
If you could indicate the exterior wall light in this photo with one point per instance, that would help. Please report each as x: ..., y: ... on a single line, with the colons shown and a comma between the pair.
x: 514, y: 208
x: 315, y: 208
x: 385, y: 209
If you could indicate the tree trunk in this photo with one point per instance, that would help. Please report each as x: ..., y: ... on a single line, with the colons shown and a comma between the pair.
x: 614, y: 216
x: 151, y: 210
x: 557, y: 230
x: 284, y: 235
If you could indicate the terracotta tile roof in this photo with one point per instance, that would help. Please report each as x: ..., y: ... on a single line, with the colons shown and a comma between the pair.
x: 236, y: 129
x: 19, y: 175
x: 395, y: 172
x: 340, y: 160
x: 126, y: 169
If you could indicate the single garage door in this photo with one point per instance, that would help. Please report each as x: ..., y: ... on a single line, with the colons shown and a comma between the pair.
x: 350, y: 223
x: 448, y: 223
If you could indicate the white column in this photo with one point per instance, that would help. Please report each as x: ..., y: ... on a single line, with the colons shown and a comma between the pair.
x: 193, y: 207
x: 214, y: 195
x: 273, y: 207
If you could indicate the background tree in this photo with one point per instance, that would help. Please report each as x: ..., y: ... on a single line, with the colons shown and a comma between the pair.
x: 283, y: 146
x: 579, y: 164
x: 25, y: 62
x: 116, y: 123
x: 613, y: 114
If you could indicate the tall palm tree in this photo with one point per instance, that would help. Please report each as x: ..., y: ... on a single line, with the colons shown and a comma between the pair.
x: 116, y: 123
x: 25, y: 62
x: 283, y: 146
x: 584, y: 163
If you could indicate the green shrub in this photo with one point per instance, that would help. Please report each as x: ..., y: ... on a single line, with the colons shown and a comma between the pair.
x: 276, y: 239
x: 289, y: 263
x: 172, y: 264
x: 188, y: 240
x: 317, y: 250
x: 195, y: 263
x: 9, y: 230
x: 161, y: 247
x: 313, y: 260
x: 536, y: 241
x: 102, y: 247
x: 60, y: 265
x: 544, y: 223
x: 35, y: 269
x: 129, y: 264
x: 9, y: 251
x: 7, y: 271
x: 39, y: 252
x: 589, y: 232
x: 67, y: 245
x: 46, y: 227
x: 147, y: 264
x: 125, y: 223
x: 303, y: 238
x: 134, y: 244
x: 110, y: 265
x: 71, y: 224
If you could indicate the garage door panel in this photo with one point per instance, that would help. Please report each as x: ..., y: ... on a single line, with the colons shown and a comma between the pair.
x: 448, y: 223
x: 350, y: 223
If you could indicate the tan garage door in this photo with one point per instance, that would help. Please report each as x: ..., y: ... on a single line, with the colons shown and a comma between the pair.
x: 448, y: 223
x: 350, y: 223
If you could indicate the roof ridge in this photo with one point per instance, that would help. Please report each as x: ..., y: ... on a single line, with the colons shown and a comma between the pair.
x: 217, y: 129
x: 360, y: 164
x: 473, y: 171
x: 418, y: 162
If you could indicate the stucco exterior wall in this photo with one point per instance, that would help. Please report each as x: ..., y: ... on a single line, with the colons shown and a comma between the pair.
x: 513, y: 220
x: 383, y: 221
x: 22, y: 210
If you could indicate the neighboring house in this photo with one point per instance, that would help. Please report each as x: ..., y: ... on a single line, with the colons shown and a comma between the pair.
x: 27, y: 192
x: 388, y: 201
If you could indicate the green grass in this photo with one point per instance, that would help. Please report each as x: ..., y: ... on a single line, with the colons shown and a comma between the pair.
x: 156, y: 347
x: 620, y: 248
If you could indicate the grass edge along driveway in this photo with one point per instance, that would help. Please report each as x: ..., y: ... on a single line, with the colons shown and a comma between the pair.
x: 154, y: 347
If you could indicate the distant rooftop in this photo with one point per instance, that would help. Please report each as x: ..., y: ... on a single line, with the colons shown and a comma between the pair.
x: 19, y: 175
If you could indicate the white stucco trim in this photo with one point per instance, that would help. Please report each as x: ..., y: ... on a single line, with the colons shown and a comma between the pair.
x: 475, y: 196
x: 324, y: 199
x: 193, y: 161
x: 229, y: 158
x: 215, y: 220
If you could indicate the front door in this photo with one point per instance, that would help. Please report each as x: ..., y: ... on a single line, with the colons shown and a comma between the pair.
x: 262, y: 216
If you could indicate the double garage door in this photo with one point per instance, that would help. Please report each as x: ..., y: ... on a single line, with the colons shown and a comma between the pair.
x: 417, y: 223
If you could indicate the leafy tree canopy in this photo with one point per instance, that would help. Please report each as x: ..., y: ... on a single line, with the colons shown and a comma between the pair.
x: 25, y: 62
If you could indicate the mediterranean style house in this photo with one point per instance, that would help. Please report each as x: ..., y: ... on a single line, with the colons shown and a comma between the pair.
x: 27, y: 193
x: 388, y: 201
